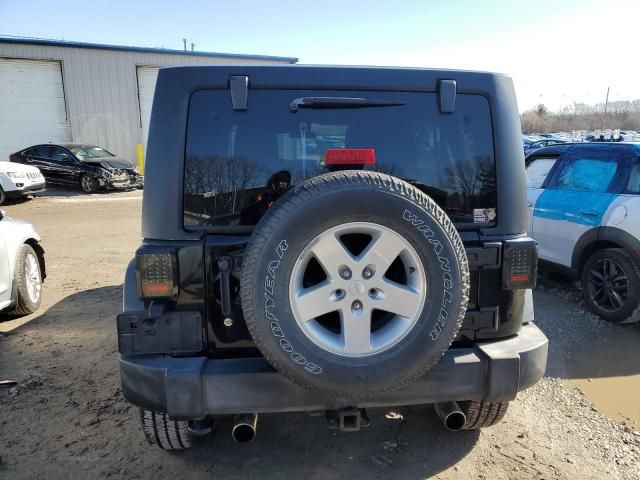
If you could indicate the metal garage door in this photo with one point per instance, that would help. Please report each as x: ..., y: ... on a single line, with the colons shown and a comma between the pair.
x: 32, y: 107
x: 147, y: 77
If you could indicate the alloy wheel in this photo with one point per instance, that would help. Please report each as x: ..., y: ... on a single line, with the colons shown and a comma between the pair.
x: 357, y: 289
x: 32, y: 277
x: 87, y: 184
x: 608, y: 285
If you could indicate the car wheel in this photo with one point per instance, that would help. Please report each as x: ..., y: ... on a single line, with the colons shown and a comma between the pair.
x: 28, y: 279
x: 160, y: 430
x: 611, y: 285
x: 3, y: 197
x: 88, y: 184
x: 354, y: 284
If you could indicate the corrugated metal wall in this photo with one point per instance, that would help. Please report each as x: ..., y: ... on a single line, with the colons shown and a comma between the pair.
x: 101, y: 89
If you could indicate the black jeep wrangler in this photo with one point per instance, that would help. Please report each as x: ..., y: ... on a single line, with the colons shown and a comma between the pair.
x: 327, y: 239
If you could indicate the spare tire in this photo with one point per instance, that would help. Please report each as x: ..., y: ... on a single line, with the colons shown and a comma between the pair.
x: 354, y: 283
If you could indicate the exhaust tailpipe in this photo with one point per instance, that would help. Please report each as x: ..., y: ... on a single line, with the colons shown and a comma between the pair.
x: 244, y: 427
x: 452, y: 417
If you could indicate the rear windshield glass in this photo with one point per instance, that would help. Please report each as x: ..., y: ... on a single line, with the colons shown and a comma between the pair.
x: 238, y: 163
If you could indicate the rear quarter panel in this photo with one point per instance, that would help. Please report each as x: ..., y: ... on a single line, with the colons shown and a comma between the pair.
x: 623, y: 213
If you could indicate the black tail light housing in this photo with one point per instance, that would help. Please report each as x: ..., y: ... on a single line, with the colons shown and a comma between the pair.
x: 519, y: 263
x: 157, y: 274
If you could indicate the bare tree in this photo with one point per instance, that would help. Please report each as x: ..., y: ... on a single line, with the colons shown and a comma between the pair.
x: 212, y: 183
x: 580, y: 116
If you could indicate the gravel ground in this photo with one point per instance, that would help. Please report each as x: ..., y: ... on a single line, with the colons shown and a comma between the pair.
x: 66, y: 417
x: 597, y: 356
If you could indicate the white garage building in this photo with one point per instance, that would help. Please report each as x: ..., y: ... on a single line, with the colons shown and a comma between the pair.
x: 55, y: 91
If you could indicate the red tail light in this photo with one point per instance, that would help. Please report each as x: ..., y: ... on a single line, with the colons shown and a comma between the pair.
x: 157, y: 275
x: 520, y: 263
x: 350, y: 156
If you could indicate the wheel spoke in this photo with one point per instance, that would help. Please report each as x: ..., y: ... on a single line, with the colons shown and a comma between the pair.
x: 598, y: 292
x: 356, y: 331
x: 602, y: 297
x: 616, y: 299
x: 619, y: 278
x: 315, y: 301
x: 400, y: 299
x: 611, y: 269
x: 596, y: 278
x: 381, y: 252
x: 603, y: 266
x: 331, y: 254
x: 624, y: 288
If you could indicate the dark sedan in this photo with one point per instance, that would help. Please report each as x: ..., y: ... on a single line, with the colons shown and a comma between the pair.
x: 87, y: 166
x: 546, y: 142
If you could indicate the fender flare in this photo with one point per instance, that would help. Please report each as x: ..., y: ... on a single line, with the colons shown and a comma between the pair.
x: 604, y: 234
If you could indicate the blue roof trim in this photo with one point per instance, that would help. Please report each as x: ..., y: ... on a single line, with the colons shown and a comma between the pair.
x: 124, y: 48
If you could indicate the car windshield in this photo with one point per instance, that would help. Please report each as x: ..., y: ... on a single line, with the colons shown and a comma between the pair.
x: 89, y: 153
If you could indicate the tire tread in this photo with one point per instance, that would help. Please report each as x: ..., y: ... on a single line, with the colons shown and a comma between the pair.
x: 481, y: 414
x: 167, y: 434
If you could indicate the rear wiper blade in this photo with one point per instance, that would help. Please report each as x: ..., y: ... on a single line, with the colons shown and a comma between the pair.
x: 339, y: 102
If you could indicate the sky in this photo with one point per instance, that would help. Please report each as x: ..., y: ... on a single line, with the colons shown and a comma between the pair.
x: 557, y: 51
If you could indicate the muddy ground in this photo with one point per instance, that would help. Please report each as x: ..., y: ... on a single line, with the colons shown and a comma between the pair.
x: 67, y: 419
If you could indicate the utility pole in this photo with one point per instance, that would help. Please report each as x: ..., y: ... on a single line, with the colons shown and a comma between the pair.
x: 606, y: 105
x: 184, y: 41
x: 192, y: 46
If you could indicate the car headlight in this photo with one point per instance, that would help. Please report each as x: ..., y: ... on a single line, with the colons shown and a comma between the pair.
x: 16, y: 175
x: 105, y: 174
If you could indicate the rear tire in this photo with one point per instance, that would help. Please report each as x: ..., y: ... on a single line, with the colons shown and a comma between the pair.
x: 482, y: 414
x: 167, y: 434
x: 611, y: 285
x: 3, y: 197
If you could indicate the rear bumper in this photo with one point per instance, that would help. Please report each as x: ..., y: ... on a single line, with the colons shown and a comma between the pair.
x: 192, y: 388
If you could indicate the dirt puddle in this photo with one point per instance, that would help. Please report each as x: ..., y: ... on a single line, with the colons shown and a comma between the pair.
x: 600, y: 358
x: 616, y: 397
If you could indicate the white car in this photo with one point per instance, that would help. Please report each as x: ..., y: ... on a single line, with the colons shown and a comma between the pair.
x: 22, y: 267
x: 17, y: 180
